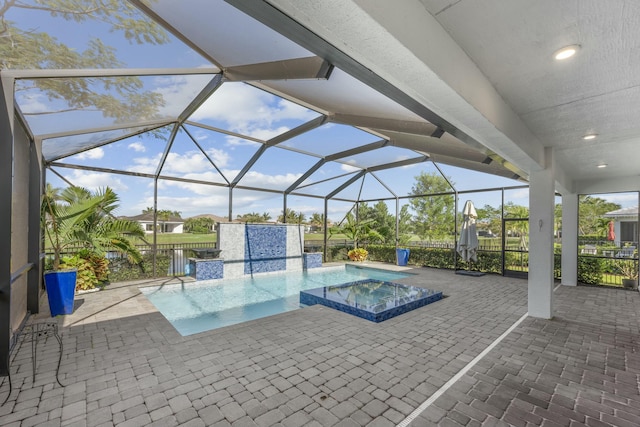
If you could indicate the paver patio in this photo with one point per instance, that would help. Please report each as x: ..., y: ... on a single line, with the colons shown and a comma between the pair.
x: 125, y: 365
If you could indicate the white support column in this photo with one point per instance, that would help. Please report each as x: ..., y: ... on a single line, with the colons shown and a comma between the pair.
x: 541, y: 206
x: 570, y: 239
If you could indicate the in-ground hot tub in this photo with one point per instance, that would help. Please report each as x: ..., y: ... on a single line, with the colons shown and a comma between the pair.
x: 371, y: 299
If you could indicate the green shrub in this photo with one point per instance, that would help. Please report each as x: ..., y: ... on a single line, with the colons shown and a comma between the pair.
x: 337, y: 253
x: 122, y: 270
x: 590, y: 270
x: 85, y: 277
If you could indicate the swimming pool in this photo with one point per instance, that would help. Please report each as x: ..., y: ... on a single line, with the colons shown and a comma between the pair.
x: 202, y: 306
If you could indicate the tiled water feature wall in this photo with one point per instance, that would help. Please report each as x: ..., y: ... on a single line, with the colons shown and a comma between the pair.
x: 258, y: 248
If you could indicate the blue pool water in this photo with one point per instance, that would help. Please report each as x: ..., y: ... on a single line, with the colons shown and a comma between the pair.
x: 202, y: 306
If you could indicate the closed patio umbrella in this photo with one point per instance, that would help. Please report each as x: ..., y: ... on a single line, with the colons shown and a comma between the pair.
x: 468, y: 241
x: 611, y: 234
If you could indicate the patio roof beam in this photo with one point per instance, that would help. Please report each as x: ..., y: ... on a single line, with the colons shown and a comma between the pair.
x: 357, y: 150
x: 312, y: 67
x: 305, y: 127
x: 299, y: 130
x: 135, y: 174
x: 204, y: 153
x: 325, y: 180
x: 384, y: 185
x: 405, y: 126
x: 105, y: 72
x: 107, y: 142
x: 249, y: 165
x: 304, y: 176
x: 147, y: 124
x: 398, y: 164
x: 226, y: 132
x: 277, y: 20
x: 347, y: 183
x: 204, y: 94
x: 167, y: 148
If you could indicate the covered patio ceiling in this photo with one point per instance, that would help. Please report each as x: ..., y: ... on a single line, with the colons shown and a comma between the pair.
x: 229, y: 53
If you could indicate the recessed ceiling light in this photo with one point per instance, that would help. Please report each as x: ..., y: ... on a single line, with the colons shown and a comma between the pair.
x: 566, y: 52
x: 604, y: 165
x: 590, y: 136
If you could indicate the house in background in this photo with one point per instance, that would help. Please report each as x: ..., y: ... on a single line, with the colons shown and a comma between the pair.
x: 169, y: 224
x: 625, y: 222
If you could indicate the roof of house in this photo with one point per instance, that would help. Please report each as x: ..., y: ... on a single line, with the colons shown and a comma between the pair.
x: 148, y: 217
x: 630, y: 211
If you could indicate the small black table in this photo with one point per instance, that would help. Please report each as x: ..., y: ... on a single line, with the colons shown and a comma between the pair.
x: 33, y: 333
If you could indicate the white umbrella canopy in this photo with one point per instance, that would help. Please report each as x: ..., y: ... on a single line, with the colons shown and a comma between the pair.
x: 468, y: 242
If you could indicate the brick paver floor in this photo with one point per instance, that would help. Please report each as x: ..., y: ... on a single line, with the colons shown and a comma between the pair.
x: 125, y: 365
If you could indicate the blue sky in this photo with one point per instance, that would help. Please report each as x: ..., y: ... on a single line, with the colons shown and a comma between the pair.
x: 238, y: 108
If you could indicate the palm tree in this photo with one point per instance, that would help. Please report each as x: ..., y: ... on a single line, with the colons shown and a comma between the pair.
x: 317, y: 220
x: 77, y: 216
x: 291, y: 217
x: 521, y: 228
x: 357, y: 230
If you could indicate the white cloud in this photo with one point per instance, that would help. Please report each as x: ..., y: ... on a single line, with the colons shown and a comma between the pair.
x: 250, y: 111
x: 521, y: 194
x: 96, y: 180
x: 198, y: 199
x: 94, y: 154
x: 181, y: 164
x: 30, y: 102
x: 137, y: 146
x: 348, y: 166
x: 257, y: 179
x: 624, y: 199
x: 179, y: 91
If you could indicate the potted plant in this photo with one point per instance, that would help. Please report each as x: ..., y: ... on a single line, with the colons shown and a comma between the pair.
x: 79, y: 220
x: 61, y: 222
x: 629, y: 269
x: 358, y: 254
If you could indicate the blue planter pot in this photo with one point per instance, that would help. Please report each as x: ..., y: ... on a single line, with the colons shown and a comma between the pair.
x: 61, y: 289
x: 403, y: 256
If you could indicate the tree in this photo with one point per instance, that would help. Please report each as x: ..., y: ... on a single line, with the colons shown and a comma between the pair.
x: 518, y: 228
x: 356, y: 230
x: 434, y: 215
x: 291, y: 217
x: 76, y: 216
x: 254, y: 217
x: 557, y: 217
x: 383, y: 221
x: 490, y: 219
x: 590, y: 210
x: 317, y: 220
x: 405, y: 225
x: 28, y: 48
x: 200, y: 225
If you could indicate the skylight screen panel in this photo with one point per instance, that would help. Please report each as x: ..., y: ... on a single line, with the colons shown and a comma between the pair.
x: 331, y: 138
x: 226, y: 34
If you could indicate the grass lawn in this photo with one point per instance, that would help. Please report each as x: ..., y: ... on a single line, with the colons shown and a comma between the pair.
x: 168, y: 238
